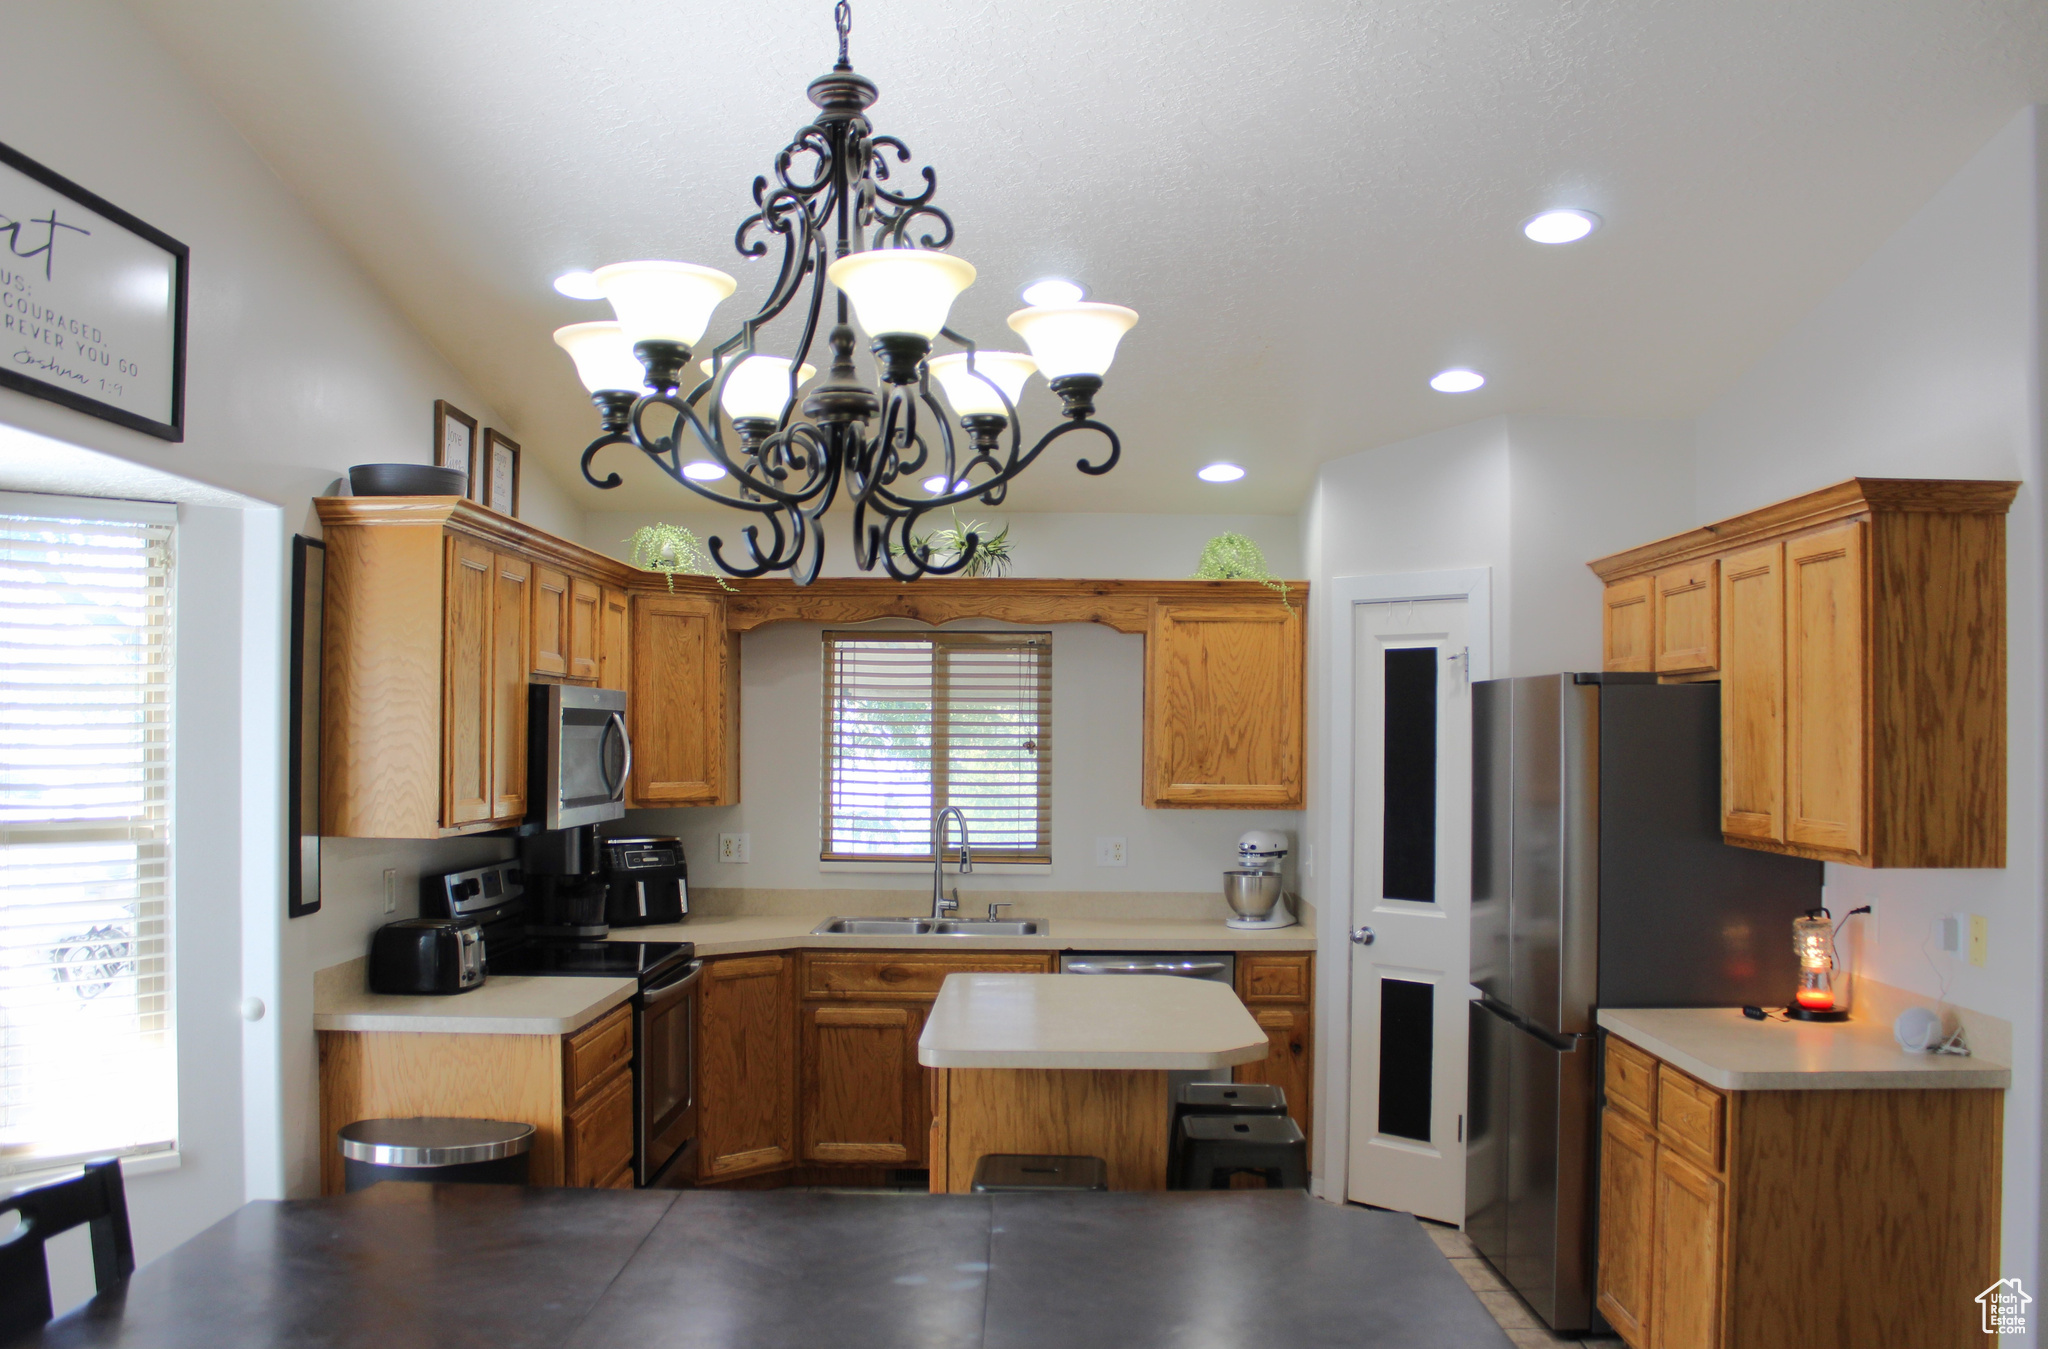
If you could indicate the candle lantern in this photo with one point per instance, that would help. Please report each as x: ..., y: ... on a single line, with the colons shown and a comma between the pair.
x: 1823, y: 992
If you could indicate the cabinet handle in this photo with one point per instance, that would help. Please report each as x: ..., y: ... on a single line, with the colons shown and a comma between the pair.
x: 1294, y: 1047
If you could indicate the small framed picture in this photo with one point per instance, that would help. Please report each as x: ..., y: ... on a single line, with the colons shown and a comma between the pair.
x: 501, y: 473
x: 455, y: 443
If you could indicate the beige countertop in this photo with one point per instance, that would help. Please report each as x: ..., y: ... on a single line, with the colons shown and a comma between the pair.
x: 1080, y: 1021
x: 1723, y: 1048
x: 506, y: 1004
x: 737, y: 934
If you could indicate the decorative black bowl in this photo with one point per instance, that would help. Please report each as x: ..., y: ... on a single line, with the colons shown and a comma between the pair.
x: 406, y: 480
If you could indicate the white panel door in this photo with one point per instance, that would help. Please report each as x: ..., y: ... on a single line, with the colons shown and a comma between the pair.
x: 1411, y: 903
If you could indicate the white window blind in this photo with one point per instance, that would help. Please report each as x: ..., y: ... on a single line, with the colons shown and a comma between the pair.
x: 86, y: 1062
x: 919, y: 720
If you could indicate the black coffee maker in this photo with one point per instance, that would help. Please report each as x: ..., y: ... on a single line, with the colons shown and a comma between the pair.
x: 565, y: 882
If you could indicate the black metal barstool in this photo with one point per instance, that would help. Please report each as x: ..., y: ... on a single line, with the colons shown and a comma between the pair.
x: 1216, y: 1147
x: 96, y: 1198
x: 1025, y: 1173
x: 472, y: 1151
x: 1219, y: 1098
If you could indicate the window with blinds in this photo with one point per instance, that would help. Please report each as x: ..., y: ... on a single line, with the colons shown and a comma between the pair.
x: 919, y: 720
x: 86, y: 1062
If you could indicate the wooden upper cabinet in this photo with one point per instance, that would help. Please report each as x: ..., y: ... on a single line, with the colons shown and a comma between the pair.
x: 614, y: 640
x: 550, y: 621
x: 1688, y: 619
x: 684, y: 705
x: 746, y: 1071
x: 1862, y: 666
x: 511, y: 622
x: 1753, y: 693
x: 466, y: 707
x: 1826, y: 687
x: 1224, y: 706
x: 585, y: 599
x: 1625, y: 626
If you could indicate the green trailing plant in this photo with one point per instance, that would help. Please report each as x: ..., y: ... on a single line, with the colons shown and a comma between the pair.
x: 673, y: 551
x: 1233, y: 557
x: 991, y: 551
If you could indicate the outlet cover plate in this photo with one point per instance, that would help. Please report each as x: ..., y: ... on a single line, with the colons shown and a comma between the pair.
x: 734, y: 848
x: 1980, y: 940
x: 1109, y: 852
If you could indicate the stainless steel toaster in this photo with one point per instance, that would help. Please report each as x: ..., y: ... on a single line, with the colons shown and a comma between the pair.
x: 426, y: 956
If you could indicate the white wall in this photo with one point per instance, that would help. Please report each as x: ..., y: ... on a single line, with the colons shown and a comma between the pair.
x: 297, y: 368
x: 1926, y: 363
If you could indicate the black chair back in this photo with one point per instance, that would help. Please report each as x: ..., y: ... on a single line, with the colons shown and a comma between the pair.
x: 96, y: 1198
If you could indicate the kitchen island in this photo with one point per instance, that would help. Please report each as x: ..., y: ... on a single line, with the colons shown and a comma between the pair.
x: 1071, y: 1065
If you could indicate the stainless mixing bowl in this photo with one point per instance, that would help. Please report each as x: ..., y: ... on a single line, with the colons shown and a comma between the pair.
x: 1252, y: 894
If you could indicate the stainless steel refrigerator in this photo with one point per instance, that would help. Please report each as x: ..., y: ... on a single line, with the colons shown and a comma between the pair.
x: 1599, y: 879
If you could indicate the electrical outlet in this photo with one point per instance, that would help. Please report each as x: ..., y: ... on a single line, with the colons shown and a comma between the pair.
x: 733, y: 848
x: 391, y: 889
x: 1109, y: 852
x: 1980, y: 940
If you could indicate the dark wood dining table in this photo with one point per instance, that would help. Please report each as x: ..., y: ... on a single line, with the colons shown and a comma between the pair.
x: 504, y: 1267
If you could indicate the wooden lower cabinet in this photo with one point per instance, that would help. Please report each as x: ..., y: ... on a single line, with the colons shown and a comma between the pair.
x: 863, y: 1089
x: 1822, y: 1219
x: 576, y: 1090
x: 746, y: 1066
x: 1279, y: 990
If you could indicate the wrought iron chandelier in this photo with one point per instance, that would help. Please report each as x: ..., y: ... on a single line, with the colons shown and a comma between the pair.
x: 837, y: 222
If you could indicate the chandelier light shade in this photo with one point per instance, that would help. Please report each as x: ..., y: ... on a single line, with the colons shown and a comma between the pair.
x: 663, y: 301
x: 758, y: 386
x: 902, y: 290
x: 853, y: 233
x: 970, y: 391
x: 604, y: 358
x: 1073, y: 339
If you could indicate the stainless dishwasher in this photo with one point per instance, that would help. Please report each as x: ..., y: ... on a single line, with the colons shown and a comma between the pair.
x: 1220, y: 966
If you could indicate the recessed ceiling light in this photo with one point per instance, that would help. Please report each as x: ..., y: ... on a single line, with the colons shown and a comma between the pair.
x: 1456, y: 381
x: 578, y: 286
x: 1053, y: 290
x: 1560, y: 227
x: 1219, y: 473
x: 703, y: 470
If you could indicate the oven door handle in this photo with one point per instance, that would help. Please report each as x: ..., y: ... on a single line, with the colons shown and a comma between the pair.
x: 660, y: 995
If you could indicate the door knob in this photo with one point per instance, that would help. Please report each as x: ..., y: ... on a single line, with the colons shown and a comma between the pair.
x: 1362, y: 935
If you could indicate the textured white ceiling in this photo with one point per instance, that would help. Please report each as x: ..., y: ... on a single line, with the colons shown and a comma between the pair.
x: 1313, y: 203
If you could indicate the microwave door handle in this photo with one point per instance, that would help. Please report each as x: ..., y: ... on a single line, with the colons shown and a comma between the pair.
x: 618, y: 723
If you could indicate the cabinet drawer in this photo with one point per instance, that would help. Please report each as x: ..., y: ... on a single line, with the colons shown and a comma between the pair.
x: 906, y: 974
x: 595, y: 1052
x: 1690, y: 1117
x: 1632, y: 1080
x: 598, y: 1139
x: 1274, y: 978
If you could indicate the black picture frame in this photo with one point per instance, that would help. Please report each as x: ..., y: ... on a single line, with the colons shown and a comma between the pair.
x: 172, y: 430
x: 302, y: 793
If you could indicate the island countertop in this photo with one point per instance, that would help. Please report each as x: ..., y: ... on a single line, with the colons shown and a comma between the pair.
x: 1723, y: 1048
x: 1084, y: 1021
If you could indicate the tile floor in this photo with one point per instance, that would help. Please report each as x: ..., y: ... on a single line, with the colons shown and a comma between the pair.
x: 1523, y: 1328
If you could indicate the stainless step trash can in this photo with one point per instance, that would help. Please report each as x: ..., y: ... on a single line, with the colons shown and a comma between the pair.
x: 428, y: 1148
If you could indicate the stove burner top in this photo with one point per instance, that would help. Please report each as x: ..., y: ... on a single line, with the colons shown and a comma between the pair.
x: 640, y: 960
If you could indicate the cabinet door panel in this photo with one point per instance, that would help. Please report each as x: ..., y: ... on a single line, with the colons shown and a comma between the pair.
x: 1685, y: 1299
x: 747, y: 1069
x: 550, y: 621
x: 1688, y: 618
x: 466, y: 684
x: 1223, y: 706
x: 862, y: 1085
x: 1625, y: 628
x: 684, y: 705
x: 614, y: 638
x: 1826, y: 683
x: 511, y: 616
x: 1628, y: 1170
x: 1288, y: 1061
x: 584, y: 600
x: 1753, y: 693
x: 597, y: 1137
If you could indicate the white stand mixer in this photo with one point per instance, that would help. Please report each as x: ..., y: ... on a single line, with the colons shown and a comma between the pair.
x: 1253, y: 888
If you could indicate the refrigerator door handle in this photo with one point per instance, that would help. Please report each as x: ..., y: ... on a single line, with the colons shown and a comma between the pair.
x: 1564, y: 1044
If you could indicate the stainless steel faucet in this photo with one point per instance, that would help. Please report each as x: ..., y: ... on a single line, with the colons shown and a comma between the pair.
x: 940, y: 904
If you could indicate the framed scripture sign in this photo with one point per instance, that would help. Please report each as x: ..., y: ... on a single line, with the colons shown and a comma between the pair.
x: 92, y: 302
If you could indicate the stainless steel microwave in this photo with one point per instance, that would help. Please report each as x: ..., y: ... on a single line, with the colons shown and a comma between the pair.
x: 579, y: 755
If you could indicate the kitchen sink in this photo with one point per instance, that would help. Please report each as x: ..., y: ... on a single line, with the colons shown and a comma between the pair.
x: 927, y: 927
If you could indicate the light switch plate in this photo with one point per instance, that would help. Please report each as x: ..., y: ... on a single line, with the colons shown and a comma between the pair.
x: 1109, y: 852
x: 391, y: 889
x: 1951, y: 933
x: 733, y: 848
x: 1980, y: 940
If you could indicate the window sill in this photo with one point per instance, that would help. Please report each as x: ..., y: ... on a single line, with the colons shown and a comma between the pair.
x: 925, y: 868
x: 137, y: 1164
